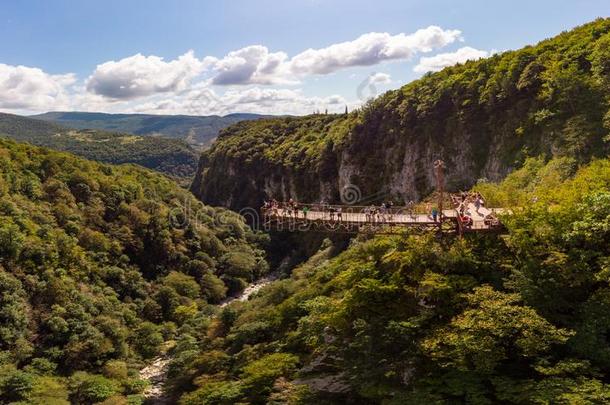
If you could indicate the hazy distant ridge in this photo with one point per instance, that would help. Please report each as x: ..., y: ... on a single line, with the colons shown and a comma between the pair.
x: 171, y: 156
x: 196, y: 130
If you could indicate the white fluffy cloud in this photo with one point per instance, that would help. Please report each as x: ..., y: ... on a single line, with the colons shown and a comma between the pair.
x: 256, y: 65
x: 442, y: 60
x: 286, y: 100
x: 251, y: 65
x: 188, y: 85
x: 205, y: 101
x: 370, y: 49
x: 28, y: 88
x: 139, y: 75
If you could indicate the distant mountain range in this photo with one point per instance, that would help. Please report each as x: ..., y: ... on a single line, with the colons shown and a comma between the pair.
x: 199, y: 131
x: 174, y: 157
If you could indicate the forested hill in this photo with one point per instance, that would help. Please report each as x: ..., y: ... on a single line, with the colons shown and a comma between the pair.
x: 170, y: 156
x: 483, y: 118
x: 99, y: 266
x: 199, y: 131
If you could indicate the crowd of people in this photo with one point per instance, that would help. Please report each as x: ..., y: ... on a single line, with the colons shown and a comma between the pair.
x: 382, y: 213
x: 464, y: 200
x: 288, y: 209
x: 385, y: 212
x: 292, y: 209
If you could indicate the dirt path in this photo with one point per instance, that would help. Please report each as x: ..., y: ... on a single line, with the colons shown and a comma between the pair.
x: 156, y: 371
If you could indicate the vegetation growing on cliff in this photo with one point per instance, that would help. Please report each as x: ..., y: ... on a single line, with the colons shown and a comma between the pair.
x: 519, y: 318
x: 483, y: 118
x: 98, y: 268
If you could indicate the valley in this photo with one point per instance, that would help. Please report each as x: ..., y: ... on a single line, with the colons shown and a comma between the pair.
x: 256, y: 259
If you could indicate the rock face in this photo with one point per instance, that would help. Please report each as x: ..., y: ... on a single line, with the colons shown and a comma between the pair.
x: 482, y: 118
x: 373, y: 165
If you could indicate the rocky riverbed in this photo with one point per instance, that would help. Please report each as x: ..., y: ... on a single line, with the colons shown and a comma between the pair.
x: 156, y: 372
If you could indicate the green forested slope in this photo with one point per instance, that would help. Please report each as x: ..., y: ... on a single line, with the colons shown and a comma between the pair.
x: 170, y: 156
x: 98, y: 267
x: 518, y: 318
x: 483, y: 118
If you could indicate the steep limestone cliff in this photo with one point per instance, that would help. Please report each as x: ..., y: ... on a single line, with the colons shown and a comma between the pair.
x: 482, y: 118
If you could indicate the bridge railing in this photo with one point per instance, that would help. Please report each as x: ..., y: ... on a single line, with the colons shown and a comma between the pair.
x: 417, y: 208
x: 420, y: 213
x: 349, y: 213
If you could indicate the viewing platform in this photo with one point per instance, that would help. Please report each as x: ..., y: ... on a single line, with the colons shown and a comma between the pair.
x: 468, y: 214
x: 295, y: 217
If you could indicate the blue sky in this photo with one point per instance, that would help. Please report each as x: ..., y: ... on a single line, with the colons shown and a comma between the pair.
x: 203, y: 57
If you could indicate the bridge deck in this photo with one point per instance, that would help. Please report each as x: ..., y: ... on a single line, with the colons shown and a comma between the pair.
x: 354, y: 219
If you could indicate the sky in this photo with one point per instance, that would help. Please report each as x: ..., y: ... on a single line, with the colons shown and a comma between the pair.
x: 201, y: 57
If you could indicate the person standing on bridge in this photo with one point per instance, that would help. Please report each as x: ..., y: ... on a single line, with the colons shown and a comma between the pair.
x: 434, y: 214
x: 305, y: 211
x: 410, y: 209
x: 477, y: 203
x: 339, y: 214
x: 390, y: 208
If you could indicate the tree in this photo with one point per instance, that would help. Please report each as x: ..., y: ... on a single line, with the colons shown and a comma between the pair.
x: 14, y: 311
x: 11, y: 240
x: 183, y: 284
x: 15, y: 385
x: 494, y: 328
x: 91, y: 388
x: 148, y: 339
x: 221, y: 393
x: 260, y: 375
x: 212, y: 288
